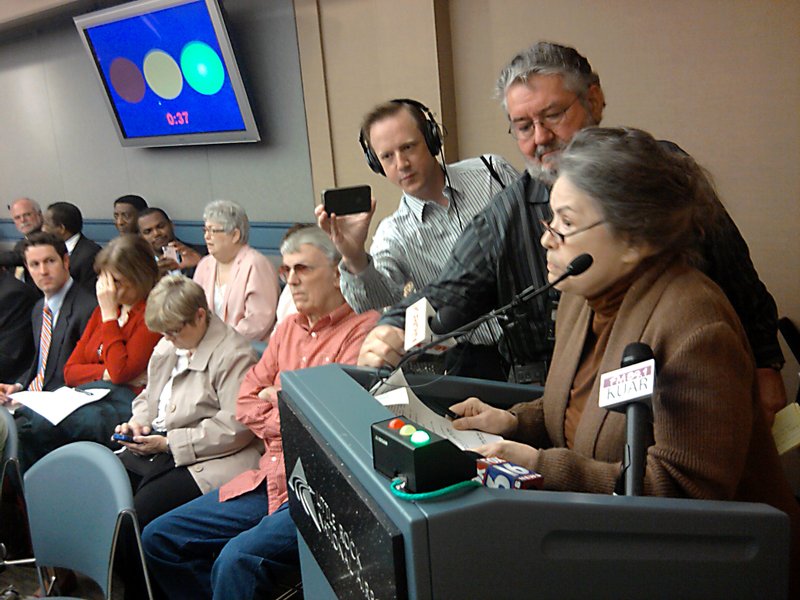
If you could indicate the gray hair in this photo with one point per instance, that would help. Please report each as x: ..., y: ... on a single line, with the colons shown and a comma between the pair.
x: 230, y: 216
x: 32, y: 202
x: 547, y: 58
x: 648, y: 192
x: 315, y: 237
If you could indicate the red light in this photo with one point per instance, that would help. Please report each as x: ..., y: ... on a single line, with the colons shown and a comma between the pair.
x: 396, y: 423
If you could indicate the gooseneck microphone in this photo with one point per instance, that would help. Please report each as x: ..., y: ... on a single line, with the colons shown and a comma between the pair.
x: 442, y: 321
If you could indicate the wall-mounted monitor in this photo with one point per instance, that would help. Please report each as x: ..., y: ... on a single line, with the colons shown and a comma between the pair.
x: 168, y: 73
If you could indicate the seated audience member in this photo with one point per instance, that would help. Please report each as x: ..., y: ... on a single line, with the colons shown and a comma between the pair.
x: 157, y: 229
x: 186, y: 439
x: 112, y: 353
x: 16, y: 335
x: 56, y: 322
x: 234, y: 542
x: 549, y: 93
x: 240, y: 283
x: 401, y: 141
x: 126, y: 211
x: 286, y: 305
x: 66, y: 221
x: 641, y: 211
x: 27, y: 216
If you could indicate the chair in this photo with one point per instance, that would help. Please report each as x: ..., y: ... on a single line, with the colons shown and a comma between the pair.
x: 12, y: 492
x: 78, y: 496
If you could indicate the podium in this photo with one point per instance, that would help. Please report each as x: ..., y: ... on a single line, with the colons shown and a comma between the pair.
x: 357, y: 540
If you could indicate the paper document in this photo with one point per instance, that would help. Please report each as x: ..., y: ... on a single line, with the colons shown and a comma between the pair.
x: 58, y: 405
x: 397, y: 396
x: 786, y: 429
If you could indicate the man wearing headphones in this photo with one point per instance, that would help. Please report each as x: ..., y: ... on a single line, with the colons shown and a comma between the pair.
x: 401, y: 141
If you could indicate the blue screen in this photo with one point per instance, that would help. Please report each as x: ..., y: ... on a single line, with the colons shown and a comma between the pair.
x: 165, y: 73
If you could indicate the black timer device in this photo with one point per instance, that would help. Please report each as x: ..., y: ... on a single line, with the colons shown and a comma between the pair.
x: 427, y: 461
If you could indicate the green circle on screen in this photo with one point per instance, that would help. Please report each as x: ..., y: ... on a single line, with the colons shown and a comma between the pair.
x: 202, y: 67
x: 163, y: 74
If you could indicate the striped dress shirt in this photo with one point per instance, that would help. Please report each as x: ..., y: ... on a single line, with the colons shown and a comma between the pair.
x: 414, y: 243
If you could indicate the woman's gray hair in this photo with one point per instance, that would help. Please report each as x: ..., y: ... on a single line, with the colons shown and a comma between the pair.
x: 314, y: 236
x: 547, y: 58
x: 230, y: 216
x: 649, y: 192
x: 173, y: 303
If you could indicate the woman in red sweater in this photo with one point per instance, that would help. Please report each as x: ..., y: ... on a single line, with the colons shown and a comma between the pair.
x: 112, y: 353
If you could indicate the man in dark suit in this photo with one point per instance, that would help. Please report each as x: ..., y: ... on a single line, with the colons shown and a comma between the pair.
x: 27, y: 216
x: 68, y: 308
x: 157, y: 229
x: 16, y: 339
x: 66, y: 221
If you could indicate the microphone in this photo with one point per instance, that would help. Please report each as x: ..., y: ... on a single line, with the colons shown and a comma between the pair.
x: 630, y: 390
x: 577, y: 266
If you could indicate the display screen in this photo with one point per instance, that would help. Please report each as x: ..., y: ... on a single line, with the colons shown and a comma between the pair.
x: 169, y: 73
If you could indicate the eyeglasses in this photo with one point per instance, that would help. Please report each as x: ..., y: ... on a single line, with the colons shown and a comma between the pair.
x: 524, y: 130
x: 174, y: 332
x: 300, y: 270
x: 212, y: 230
x: 563, y: 236
x: 23, y: 216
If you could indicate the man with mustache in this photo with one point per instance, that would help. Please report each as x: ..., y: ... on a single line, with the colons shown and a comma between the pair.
x: 549, y: 93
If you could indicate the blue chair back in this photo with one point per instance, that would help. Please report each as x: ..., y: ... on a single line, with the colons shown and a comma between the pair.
x: 77, y: 497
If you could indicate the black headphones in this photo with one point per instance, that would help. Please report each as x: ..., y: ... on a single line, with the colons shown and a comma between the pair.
x: 431, y: 133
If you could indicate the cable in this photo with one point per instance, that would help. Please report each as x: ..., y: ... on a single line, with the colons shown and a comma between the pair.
x: 399, y: 482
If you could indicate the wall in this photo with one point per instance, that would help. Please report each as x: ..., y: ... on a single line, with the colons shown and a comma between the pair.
x: 64, y: 146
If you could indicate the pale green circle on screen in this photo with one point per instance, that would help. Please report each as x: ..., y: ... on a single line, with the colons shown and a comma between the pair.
x: 202, y: 67
x: 163, y: 74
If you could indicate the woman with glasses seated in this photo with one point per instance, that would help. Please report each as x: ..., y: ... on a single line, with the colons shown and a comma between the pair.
x: 639, y: 211
x: 183, y: 439
x: 240, y: 283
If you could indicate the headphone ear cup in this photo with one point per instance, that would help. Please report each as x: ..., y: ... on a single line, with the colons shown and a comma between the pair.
x: 369, y: 154
x: 432, y: 135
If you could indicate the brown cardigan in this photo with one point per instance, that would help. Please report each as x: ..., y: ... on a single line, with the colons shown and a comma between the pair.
x: 709, y: 438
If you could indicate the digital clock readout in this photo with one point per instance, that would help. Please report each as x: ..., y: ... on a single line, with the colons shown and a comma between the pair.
x: 178, y: 118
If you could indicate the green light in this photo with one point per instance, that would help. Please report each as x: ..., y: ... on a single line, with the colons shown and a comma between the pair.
x: 420, y: 438
x: 202, y: 68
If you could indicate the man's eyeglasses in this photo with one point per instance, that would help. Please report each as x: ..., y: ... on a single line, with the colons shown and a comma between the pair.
x: 300, y: 270
x: 562, y: 236
x: 212, y: 230
x: 524, y: 130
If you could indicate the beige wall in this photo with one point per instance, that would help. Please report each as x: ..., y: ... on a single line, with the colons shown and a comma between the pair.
x: 719, y: 77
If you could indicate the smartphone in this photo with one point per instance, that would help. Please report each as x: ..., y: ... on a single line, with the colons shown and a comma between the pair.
x: 171, y: 252
x: 121, y: 437
x: 347, y: 200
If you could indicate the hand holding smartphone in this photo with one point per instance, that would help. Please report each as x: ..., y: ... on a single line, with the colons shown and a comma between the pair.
x: 171, y: 252
x: 122, y: 437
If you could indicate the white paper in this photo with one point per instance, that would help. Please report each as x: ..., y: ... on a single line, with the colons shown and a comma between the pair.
x: 397, y: 396
x: 58, y: 405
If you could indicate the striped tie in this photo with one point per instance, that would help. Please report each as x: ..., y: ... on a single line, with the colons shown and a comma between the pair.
x: 44, y: 348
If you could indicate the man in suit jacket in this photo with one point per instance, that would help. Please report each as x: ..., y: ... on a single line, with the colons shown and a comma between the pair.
x: 71, y: 306
x: 16, y: 341
x: 27, y: 216
x: 66, y: 221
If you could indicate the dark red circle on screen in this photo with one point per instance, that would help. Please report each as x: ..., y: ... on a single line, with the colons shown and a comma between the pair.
x: 127, y: 80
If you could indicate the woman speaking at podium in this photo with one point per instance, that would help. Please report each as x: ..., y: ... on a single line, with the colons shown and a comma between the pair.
x: 639, y: 210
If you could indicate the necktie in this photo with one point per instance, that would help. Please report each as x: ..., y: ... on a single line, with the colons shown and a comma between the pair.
x: 44, y: 348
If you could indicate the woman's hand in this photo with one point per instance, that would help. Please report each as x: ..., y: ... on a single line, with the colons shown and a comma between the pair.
x: 479, y: 415
x: 143, y: 443
x: 107, y: 297
x: 514, y: 452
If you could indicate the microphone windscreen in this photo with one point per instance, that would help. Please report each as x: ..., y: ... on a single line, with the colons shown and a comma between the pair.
x: 447, y: 319
x: 636, y: 352
x: 579, y: 264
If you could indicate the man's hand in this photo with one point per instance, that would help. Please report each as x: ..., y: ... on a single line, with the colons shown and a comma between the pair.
x: 165, y: 265
x: 771, y: 392
x: 382, y: 346
x: 349, y: 234
x: 269, y: 393
x: 189, y: 256
x: 6, y: 389
x: 514, y: 452
x: 479, y: 415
